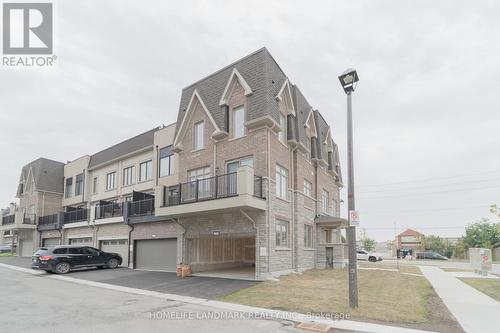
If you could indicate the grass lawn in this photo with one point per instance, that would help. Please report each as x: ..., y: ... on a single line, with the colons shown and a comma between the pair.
x: 6, y: 254
x: 490, y: 287
x: 386, y: 265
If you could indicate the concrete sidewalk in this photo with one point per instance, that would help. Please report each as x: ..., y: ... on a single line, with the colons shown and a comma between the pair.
x: 475, y: 311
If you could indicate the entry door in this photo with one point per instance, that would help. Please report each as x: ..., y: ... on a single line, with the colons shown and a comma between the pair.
x: 26, y: 247
x: 329, y: 257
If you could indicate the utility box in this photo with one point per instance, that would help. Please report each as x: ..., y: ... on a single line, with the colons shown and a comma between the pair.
x: 480, y: 260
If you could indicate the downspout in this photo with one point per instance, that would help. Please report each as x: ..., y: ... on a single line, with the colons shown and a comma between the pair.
x: 157, y: 173
x: 183, y: 233
x: 257, y: 250
x: 130, y: 229
x: 293, y: 210
x: 268, y: 199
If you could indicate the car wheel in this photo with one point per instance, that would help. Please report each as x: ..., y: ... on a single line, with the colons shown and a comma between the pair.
x: 62, y: 268
x: 372, y: 259
x: 112, y: 263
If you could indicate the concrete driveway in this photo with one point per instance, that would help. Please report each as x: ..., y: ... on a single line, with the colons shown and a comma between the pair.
x: 165, y: 282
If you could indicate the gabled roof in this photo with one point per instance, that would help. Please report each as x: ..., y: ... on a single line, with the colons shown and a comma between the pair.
x: 262, y: 75
x: 410, y: 232
x: 126, y: 147
x: 47, y: 175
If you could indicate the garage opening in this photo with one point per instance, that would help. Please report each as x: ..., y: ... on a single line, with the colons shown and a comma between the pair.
x: 50, y: 241
x: 222, y: 257
x: 119, y: 246
x: 83, y: 241
x: 156, y: 254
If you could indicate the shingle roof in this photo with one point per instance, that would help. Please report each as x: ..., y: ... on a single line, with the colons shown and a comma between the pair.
x: 131, y: 145
x: 302, y: 109
x: 409, y: 232
x: 47, y: 174
x: 260, y: 71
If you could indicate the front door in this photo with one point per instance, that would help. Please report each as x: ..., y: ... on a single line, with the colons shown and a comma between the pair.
x: 329, y: 257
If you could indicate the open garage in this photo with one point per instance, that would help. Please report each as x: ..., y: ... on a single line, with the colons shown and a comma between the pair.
x: 222, y: 256
x: 156, y: 254
x: 119, y: 246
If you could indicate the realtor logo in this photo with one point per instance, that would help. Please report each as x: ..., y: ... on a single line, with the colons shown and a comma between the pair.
x: 27, y: 28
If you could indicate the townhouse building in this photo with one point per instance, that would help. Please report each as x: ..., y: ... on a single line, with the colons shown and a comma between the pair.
x: 260, y: 175
x: 40, y: 193
x: 245, y: 184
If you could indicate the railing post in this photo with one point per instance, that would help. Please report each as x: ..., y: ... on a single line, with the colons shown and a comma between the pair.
x: 196, y: 189
x: 216, y: 187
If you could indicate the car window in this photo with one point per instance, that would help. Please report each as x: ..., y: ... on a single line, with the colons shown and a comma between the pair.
x: 60, y: 250
x: 75, y: 250
x: 90, y: 250
x: 41, y: 251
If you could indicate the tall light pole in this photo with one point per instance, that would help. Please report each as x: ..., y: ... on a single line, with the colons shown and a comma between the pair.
x: 349, y: 80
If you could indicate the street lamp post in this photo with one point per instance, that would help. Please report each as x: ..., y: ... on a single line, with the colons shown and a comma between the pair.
x: 349, y: 80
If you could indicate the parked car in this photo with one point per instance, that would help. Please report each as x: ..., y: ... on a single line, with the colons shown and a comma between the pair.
x: 5, y: 248
x: 365, y: 255
x: 431, y: 256
x: 63, y: 258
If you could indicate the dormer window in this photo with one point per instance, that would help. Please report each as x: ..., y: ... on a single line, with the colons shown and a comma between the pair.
x: 282, y: 132
x: 199, y: 136
x: 238, y: 122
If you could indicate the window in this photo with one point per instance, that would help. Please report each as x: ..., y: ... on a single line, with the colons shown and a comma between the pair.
x: 75, y: 250
x: 307, y: 187
x: 94, y: 185
x: 234, y: 165
x: 146, y: 171
x: 128, y: 199
x: 128, y: 175
x: 334, y: 208
x: 91, y: 250
x: 238, y: 122
x: 60, y: 250
x: 79, y: 184
x: 282, y: 132
x: 324, y: 200
x: 308, y: 145
x: 308, y: 236
x: 69, y: 187
x: 281, y: 233
x: 204, y: 186
x: 328, y: 236
x: 111, y: 181
x: 198, y: 136
x: 281, y: 182
x: 166, y: 162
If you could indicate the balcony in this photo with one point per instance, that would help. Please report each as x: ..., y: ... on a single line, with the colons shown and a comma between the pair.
x: 141, y: 208
x: 29, y: 219
x: 77, y: 215
x: 50, y: 222
x: 229, y: 191
x: 8, y: 219
x: 108, y: 211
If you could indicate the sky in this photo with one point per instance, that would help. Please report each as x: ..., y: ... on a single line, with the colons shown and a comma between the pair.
x: 426, y: 110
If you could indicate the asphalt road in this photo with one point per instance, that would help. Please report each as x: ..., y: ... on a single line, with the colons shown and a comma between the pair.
x: 38, y: 303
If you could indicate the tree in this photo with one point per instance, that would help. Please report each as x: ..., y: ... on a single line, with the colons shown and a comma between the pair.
x: 482, y: 234
x: 366, y: 242
x: 435, y: 244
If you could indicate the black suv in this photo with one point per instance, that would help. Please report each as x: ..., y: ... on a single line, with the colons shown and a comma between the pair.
x: 63, y: 258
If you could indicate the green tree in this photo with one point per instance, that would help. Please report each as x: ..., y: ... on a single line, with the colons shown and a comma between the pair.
x: 482, y: 234
x: 366, y: 242
x: 435, y: 244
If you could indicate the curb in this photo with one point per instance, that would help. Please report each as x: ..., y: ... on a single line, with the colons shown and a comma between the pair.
x: 277, y: 314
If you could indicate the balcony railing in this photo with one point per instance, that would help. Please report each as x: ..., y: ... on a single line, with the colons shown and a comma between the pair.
x: 76, y: 215
x: 257, y: 187
x: 217, y: 187
x: 29, y: 219
x: 142, y: 207
x: 107, y: 211
x: 47, y: 220
x: 9, y: 219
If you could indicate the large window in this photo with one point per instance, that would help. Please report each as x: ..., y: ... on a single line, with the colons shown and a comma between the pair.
x: 95, y: 183
x: 307, y: 187
x: 325, y: 197
x: 203, y: 184
x: 334, y: 207
x: 69, y: 187
x: 282, y: 132
x: 128, y: 175
x: 282, y: 233
x: 146, y: 171
x: 239, y: 122
x: 79, y: 184
x: 308, y: 236
x: 111, y: 181
x: 199, y: 136
x: 166, y: 162
x: 281, y: 182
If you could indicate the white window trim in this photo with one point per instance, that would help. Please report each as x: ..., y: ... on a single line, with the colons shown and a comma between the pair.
x: 195, y: 135
x: 233, y: 123
x: 152, y: 171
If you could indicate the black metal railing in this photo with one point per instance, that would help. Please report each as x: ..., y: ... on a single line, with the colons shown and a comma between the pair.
x: 107, y: 211
x: 217, y: 187
x: 8, y: 219
x: 76, y: 215
x: 29, y: 219
x: 142, y: 207
x: 47, y: 220
x: 258, y: 187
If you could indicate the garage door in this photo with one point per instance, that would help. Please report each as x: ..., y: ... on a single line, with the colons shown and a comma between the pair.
x: 81, y: 241
x: 156, y: 254
x: 119, y: 246
x: 26, y: 247
x: 50, y: 241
